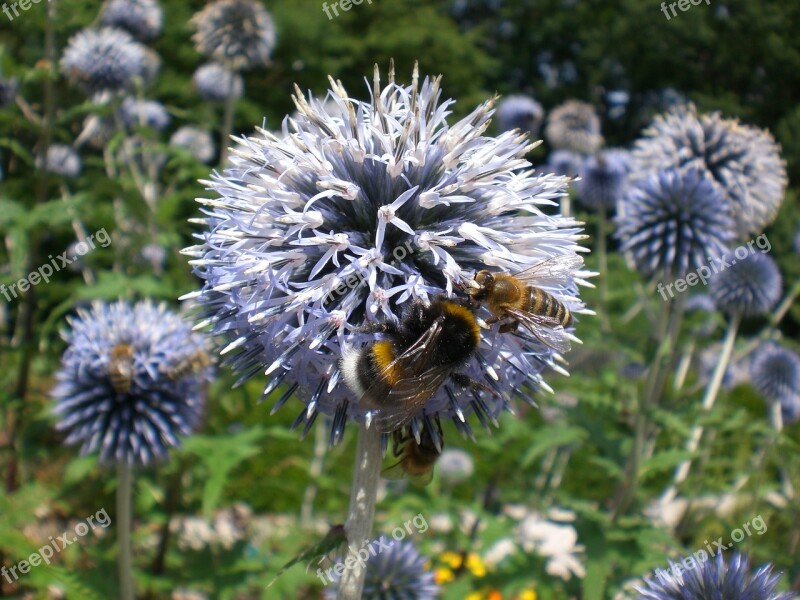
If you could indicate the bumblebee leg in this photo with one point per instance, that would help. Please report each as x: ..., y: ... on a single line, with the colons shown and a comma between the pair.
x: 467, y: 382
x: 385, y: 327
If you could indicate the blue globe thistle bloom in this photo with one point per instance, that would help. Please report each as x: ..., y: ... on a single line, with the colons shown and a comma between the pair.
x: 520, y: 112
x: 396, y: 573
x: 213, y: 83
x: 574, y: 126
x: 9, y: 86
x: 196, y: 141
x: 141, y: 18
x: 750, y: 286
x: 236, y: 32
x: 775, y: 373
x: 62, y: 160
x: 602, y: 180
x: 101, y: 60
x: 132, y: 380
x: 564, y: 162
x: 715, y: 579
x: 342, y: 220
x: 742, y: 162
x: 144, y: 113
x: 671, y: 222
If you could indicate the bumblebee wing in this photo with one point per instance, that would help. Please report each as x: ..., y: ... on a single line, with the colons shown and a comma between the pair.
x: 407, y: 397
x: 558, y: 269
x: 545, y: 329
x: 398, y: 471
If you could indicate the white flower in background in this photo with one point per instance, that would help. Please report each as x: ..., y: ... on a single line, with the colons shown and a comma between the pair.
x: 557, y: 542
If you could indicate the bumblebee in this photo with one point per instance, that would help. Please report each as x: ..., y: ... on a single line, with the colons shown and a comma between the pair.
x: 120, y: 368
x: 395, y: 377
x: 193, y: 364
x: 416, y: 459
x: 514, y: 299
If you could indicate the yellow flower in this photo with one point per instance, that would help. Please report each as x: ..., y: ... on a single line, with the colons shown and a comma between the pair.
x: 452, y: 559
x: 474, y: 596
x: 442, y: 575
x: 476, y: 565
x: 528, y: 595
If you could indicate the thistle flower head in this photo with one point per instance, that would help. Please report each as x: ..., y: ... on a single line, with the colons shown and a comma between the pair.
x: 716, y: 579
x: 564, y: 162
x: 340, y: 221
x: 106, y: 59
x: 144, y: 113
x: 8, y: 90
x: 131, y: 381
x: 775, y: 372
x: 141, y: 18
x: 214, y: 82
x: 520, y: 112
x: 397, y: 573
x: 742, y: 162
x: 671, y: 222
x: 750, y: 286
x: 196, y: 141
x: 455, y: 465
x: 236, y: 32
x: 602, y: 180
x: 62, y: 160
x: 574, y: 126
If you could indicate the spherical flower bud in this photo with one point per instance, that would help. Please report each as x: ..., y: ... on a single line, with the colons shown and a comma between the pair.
x: 215, y: 83
x: 574, y: 126
x: 520, y: 112
x: 750, y: 286
x: 141, y: 18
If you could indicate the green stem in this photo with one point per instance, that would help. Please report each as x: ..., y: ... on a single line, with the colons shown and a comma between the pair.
x: 227, y: 123
x: 125, y: 559
x: 361, y: 514
x: 602, y: 256
x: 710, y: 396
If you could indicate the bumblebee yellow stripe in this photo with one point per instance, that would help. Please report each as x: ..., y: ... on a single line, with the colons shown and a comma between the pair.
x: 465, y: 314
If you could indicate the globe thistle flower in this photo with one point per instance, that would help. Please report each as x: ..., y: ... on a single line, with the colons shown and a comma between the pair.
x: 455, y: 466
x: 742, y: 162
x: 574, y: 126
x: 520, y: 112
x: 395, y: 573
x: 671, y: 222
x: 714, y: 579
x: 131, y: 381
x: 750, y: 286
x: 8, y: 90
x: 213, y: 83
x: 141, y: 18
x: 602, y: 180
x: 341, y: 221
x: 106, y: 59
x: 61, y: 160
x: 144, y: 113
x: 564, y: 162
x: 775, y: 372
x: 236, y: 32
x: 196, y: 141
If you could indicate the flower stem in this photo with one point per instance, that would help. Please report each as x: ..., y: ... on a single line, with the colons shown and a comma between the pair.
x: 362, y: 507
x: 602, y: 256
x: 125, y: 559
x: 710, y: 396
x: 227, y: 122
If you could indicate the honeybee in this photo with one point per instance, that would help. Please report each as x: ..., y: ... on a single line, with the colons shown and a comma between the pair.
x: 394, y: 378
x: 416, y: 459
x: 514, y: 299
x: 193, y: 364
x: 120, y: 367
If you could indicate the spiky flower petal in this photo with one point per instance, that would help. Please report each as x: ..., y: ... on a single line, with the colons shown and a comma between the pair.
x: 141, y: 18
x: 396, y: 573
x: 341, y: 220
x: 775, y: 372
x: 236, y: 32
x: 106, y: 59
x: 131, y: 381
x: 520, y: 112
x: 671, y: 222
x: 742, y: 162
x: 751, y: 286
x: 62, y: 160
x: 215, y: 83
x: 602, y: 180
x: 715, y: 579
x: 197, y: 141
x: 574, y: 126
